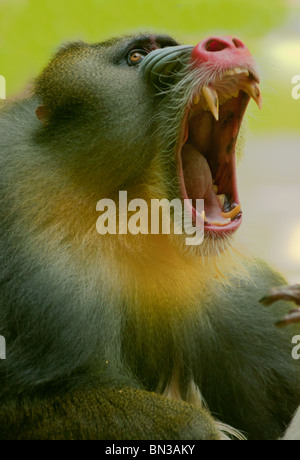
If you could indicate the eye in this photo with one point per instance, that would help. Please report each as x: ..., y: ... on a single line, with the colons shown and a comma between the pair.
x: 136, y: 56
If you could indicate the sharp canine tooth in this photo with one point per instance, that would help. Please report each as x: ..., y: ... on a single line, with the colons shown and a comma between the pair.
x: 252, y: 89
x: 231, y: 214
x: 211, y: 97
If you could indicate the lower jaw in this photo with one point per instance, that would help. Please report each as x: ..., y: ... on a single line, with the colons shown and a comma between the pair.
x: 215, y: 231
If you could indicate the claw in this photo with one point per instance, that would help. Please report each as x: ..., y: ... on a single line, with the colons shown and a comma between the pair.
x: 212, y: 99
x: 292, y: 318
x: 289, y: 293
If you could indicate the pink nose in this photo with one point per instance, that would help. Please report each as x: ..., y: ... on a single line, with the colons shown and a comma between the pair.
x: 222, y: 51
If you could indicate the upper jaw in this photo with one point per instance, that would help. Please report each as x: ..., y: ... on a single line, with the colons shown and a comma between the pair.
x: 206, y: 146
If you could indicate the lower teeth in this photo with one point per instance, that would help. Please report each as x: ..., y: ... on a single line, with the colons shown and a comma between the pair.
x: 233, y: 213
x: 230, y: 211
x: 222, y: 223
x: 221, y: 199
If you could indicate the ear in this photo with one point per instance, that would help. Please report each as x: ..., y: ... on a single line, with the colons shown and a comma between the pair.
x: 42, y: 113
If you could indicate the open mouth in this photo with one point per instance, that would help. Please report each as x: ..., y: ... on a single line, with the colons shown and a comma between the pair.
x: 206, y: 149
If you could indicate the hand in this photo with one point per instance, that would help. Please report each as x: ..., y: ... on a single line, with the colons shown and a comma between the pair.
x: 291, y: 293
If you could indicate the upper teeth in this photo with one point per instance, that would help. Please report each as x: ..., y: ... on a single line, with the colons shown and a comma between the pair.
x: 236, y: 71
x: 243, y: 83
x: 252, y: 89
x: 211, y: 97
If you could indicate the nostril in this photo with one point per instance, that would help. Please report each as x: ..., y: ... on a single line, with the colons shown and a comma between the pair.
x: 215, y: 44
x: 219, y: 44
x: 224, y: 51
x: 237, y: 43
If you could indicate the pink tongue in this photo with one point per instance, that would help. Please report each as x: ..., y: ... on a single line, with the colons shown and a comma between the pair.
x: 197, y: 175
x: 198, y: 181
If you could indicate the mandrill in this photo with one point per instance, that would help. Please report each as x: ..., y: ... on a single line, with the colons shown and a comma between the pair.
x: 135, y: 336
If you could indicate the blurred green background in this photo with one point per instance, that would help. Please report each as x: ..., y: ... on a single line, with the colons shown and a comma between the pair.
x: 31, y: 30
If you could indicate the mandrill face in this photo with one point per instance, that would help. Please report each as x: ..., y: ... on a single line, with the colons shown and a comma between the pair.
x: 167, y: 120
x: 208, y: 88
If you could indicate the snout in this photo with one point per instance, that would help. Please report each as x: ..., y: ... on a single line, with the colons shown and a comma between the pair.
x: 163, y: 67
x: 221, y: 51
